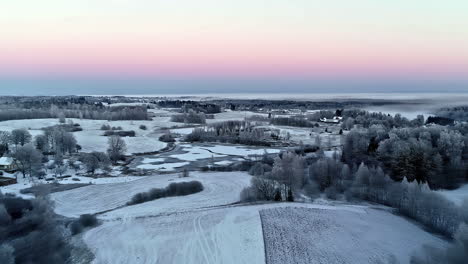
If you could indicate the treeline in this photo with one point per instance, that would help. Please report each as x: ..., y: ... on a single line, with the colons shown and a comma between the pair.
x: 261, y: 105
x: 351, y: 117
x: 97, y: 112
x: 187, y: 105
x: 291, y: 121
x: 235, y: 132
x: 459, y: 113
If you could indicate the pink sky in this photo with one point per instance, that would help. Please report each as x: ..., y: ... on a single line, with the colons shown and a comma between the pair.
x: 241, y: 40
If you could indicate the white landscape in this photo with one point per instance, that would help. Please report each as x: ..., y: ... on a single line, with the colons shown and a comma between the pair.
x: 277, y: 185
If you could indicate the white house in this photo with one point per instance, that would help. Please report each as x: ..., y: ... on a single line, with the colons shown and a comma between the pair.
x: 7, y: 163
x: 335, y: 120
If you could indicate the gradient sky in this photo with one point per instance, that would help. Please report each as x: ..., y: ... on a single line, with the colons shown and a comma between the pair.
x: 52, y: 43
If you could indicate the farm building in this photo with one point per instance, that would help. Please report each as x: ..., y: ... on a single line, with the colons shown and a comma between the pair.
x: 7, y: 163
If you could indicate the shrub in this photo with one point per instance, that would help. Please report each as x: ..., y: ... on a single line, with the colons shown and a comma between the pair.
x: 129, y: 133
x: 105, y: 127
x: 81, y: 223
x: 168, y: 138
x: 173, y: 189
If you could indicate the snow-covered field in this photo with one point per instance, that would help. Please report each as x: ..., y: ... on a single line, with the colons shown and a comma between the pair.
x: 208, y: 227
x: 308, y: 235
x: 231, y: 235
x: 219, y: 189
x: 457, y: 196
x: 204, y: 152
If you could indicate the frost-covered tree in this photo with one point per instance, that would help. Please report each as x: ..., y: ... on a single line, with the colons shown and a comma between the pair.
x: 28, y: 160
x: 116, y: 148
x: 5, y: 138
x: 40, y: 141
x: 20, y: 137
x: 361, y: 182
x: 288, y: 170
x: 95, y: 160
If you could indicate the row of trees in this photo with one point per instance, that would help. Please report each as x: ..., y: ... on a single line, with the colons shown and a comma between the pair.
x: 236, y: 132
x: 96, y: 112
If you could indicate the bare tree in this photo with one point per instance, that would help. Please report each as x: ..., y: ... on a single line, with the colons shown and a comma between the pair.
x: 116, y: 148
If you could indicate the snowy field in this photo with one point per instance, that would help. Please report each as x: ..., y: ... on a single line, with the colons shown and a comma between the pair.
x: 309, y: 236
x: 210, y: 227
x: 231, y: 235
x: 457, y: 196
x: 219, y: 189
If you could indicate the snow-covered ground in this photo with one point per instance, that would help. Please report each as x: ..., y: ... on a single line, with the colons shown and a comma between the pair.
x: 308, y: 235
x: 196, y: 152
x: 208, y: 227
x: 231, y: 235
x: 457, y: 196
x: 219, y: 189
x: 162, y: 167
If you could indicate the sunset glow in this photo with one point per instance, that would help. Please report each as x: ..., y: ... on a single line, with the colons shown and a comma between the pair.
x: 208, y: 38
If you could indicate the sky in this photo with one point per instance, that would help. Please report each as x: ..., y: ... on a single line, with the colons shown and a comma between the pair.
x: 190, y: 46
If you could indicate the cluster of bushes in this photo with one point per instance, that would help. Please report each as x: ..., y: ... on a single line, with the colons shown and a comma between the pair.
x: 189, y: 117
x: 167, y: 137
x: 173, y: 189
x: 122, y: 133
x: 107, y: 127
x: 94, y: 161
x: 30, y: 232
x: 83, y: 222
x: 71, y: 127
